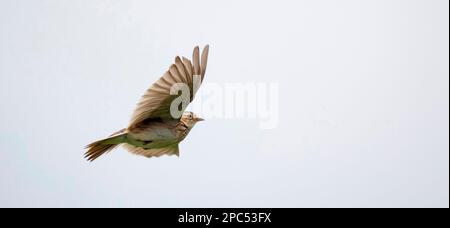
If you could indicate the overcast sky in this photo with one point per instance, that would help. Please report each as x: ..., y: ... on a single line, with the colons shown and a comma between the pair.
x: 363, y: 103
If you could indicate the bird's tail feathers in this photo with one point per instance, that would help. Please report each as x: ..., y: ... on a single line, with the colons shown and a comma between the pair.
x: 100, y: 147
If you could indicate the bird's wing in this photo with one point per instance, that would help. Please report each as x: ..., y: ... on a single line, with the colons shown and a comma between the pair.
x: 169, y: 150
x: 157, y: 100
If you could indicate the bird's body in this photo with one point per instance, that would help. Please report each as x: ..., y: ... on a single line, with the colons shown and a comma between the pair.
x: 154, y: 134
x: 154, y: 130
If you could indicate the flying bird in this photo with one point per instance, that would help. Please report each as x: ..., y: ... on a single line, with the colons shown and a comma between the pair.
x: 155, y: 128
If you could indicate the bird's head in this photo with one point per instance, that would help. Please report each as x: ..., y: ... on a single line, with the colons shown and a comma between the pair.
x: 190, y: 119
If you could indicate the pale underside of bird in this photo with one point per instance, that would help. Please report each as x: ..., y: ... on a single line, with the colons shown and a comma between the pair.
x: 159, y: 122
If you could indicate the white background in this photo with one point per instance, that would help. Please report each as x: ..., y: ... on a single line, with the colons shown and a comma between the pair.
x: 364, y: 103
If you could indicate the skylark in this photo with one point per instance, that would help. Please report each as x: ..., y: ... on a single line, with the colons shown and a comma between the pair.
x: 155, y: 128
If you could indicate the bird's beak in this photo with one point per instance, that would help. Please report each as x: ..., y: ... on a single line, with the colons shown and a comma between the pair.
x: 199, y: 119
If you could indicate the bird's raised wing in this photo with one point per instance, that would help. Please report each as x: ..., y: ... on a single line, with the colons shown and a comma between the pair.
x: 158, y: 99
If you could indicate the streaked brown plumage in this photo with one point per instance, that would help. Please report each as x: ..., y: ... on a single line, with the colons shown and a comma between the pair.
x: 153, y: 130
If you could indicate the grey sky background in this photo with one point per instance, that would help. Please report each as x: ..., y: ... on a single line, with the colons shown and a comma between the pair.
x: 364, y: 103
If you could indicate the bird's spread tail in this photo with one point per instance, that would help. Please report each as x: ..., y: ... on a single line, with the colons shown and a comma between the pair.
x: 100, y: 147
